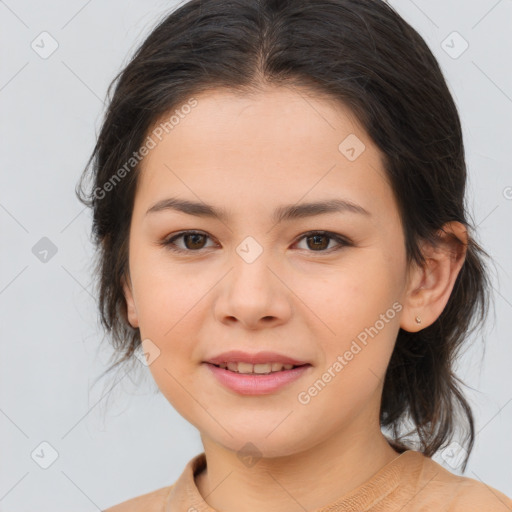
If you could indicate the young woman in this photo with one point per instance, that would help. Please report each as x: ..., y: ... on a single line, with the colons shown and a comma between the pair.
x: 279, y: 211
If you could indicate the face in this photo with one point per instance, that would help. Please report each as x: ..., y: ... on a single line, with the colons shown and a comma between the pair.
x: 322, y: 287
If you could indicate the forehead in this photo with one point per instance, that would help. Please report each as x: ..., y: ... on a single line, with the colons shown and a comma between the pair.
x: 279, y: 117
x: 277, y: 144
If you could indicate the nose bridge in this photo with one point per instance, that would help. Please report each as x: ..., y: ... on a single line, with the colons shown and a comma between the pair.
x: 250, y: 250
x: 252, y: 291
x: 251, y: 268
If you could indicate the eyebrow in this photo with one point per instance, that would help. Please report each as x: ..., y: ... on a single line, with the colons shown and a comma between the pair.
x: 281, y: 213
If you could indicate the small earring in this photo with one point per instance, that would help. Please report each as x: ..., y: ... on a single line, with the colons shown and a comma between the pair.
x: 418, y: 320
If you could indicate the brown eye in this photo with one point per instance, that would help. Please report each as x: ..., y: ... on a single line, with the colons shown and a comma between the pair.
x: 318, y: 241
x: 192, y: 241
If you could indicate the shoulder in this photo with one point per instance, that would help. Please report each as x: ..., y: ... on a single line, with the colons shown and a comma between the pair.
x: 458, y: 493
x: 470, y: 494
x: 150, y: 502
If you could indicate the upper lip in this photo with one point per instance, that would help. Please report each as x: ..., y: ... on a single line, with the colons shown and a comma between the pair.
x: 239, y: 356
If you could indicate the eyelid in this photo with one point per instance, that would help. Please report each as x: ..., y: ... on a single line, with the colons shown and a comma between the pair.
x: 342, y: 240
x: 167, y: 242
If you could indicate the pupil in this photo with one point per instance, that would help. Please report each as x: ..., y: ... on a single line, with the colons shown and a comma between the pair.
x: 194, y: 237
x: 316, y: 237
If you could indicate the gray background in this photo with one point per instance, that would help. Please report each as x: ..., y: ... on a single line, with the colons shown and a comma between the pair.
x: 129, y: 441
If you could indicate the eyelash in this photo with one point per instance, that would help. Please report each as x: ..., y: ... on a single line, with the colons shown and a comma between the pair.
x: 344, y: 242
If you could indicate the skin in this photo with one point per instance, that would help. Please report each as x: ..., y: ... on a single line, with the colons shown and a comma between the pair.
x: 250, y: 154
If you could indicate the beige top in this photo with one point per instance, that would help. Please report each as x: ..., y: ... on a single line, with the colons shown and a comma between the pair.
x: 411, y: 482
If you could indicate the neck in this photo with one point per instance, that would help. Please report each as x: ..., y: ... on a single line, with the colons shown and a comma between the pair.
x: 309, y: 479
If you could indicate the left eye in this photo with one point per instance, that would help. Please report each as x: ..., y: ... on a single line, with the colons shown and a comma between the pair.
x: 317, y: 240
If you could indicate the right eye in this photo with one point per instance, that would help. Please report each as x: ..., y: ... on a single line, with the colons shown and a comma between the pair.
x: 193, y: 241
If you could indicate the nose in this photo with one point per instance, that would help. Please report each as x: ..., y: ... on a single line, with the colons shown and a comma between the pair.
x: 253, y: 295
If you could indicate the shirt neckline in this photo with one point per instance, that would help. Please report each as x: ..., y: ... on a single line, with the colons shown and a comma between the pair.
x: 383, y: 483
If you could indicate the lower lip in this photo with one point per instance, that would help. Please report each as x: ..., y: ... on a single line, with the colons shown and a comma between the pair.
x: 254, y: 384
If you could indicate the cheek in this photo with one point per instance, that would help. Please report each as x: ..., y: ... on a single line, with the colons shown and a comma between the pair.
x: 353, y: 296
x: 173, y: 326
x: 361, y: 308
x: 166, y: 294
x: 170, y: 298
x: 363, y: 315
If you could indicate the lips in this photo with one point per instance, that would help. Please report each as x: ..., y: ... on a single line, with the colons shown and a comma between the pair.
x: 254, y: 384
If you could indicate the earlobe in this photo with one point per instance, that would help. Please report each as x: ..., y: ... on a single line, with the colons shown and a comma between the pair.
x: 430, y: 287
x: 131, y: 311
x: 413, y: 314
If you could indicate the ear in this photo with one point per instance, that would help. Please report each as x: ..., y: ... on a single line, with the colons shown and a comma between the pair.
x: 429, y: 288
x: 130, y: 303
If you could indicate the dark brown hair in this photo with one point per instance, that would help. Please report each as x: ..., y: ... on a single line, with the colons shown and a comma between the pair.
x: 360, y: 53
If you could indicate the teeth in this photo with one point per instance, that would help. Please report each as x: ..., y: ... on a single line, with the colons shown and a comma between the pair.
x: 231, y: 366
x: 255, y: 368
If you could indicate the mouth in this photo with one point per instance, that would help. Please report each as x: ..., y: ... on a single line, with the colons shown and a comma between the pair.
x: 256, y: 379
x: 257, y: 369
